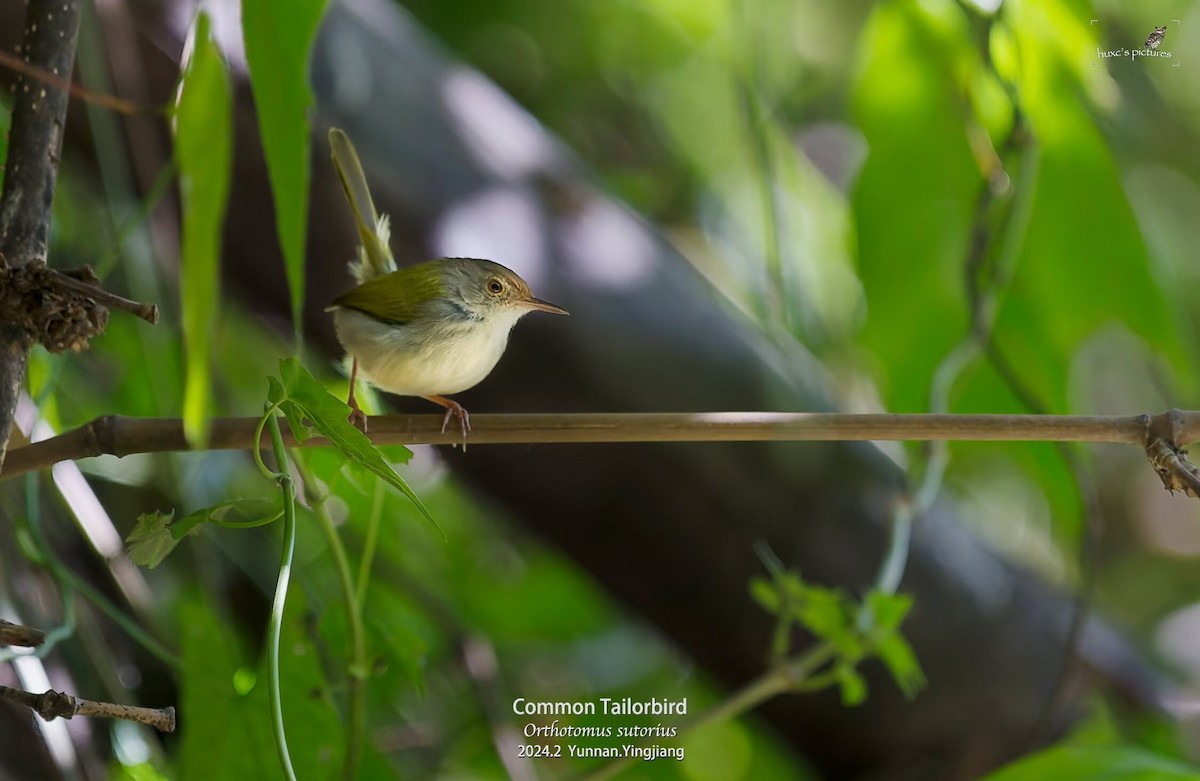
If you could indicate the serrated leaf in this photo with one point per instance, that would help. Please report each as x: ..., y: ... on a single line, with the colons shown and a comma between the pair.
x: 276, y: 394
x: 157, y: 534
x: 330, y: 416
x: 204, y: 154
x: 279, y: 37
x: 151, y: 540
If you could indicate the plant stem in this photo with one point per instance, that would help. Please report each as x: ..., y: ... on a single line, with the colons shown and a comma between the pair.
x: 356, y: 703
x: 368, y: 554
x: 288, y: 489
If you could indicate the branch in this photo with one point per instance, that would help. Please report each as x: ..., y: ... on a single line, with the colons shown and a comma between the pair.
x: 122, y: 436
x: 119, y: 105
x: 51, y: 705
x: 34, y: 144
x: 20, y: 635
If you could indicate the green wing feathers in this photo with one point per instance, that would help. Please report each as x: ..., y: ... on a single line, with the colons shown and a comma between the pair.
x: 396, y: 297
x: 374, y: 256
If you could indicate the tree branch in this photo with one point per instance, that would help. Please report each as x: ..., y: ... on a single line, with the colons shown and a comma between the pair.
x: 34, y: 144
x: 122, y: 436
x: 20, y: 635
x: 52, y: 704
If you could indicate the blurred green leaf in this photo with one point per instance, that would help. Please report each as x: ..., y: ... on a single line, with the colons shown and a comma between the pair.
x: 279, y: 36
x: 897, y: 655
x: 227, y: 734
x: 156, y: 535
x: 151, y: 539
x: 204, y: 154
x: 888, y: 610
x: 851, y: 684
x: 302, y: 398
x: 915, y: 196
x: 1098, y: 763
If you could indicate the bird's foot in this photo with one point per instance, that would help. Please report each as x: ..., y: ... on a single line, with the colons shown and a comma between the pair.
x: 454, y: 410
x: 357, y: 417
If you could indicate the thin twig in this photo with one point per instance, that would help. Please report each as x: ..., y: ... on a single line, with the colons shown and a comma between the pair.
x: 122, y: 436
x: 120, y: 105
x: 52, y: 704
x: 148, y: 312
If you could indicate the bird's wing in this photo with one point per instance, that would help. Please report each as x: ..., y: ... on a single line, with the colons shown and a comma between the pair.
x: 397, y: 297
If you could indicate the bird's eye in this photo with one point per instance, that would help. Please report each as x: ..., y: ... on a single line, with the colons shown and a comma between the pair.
x: 495, y: 286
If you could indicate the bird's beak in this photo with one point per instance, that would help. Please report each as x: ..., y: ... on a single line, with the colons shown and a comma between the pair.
x: 544, y: 306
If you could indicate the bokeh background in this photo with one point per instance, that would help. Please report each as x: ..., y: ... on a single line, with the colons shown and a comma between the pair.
x: 746, y: 204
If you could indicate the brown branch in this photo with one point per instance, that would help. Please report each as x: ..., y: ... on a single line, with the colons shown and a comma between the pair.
x: 1166, y: 435
x: 51, y: 705
x: 122, y: 436
x: 34, y: 145
x: 85, y: 283
x: 20, y: 635
x: 120, y: 105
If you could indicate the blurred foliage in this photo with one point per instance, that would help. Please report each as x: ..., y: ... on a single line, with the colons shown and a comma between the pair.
x: 279, y: 37
x: 203, y: 125
x: 866, y: 136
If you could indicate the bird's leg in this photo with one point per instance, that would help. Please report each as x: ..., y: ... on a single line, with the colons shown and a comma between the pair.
x: 453, y: 410
x: 357, y: 416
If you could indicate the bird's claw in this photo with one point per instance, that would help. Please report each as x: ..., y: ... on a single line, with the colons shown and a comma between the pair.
x: 464, y: 420
x: 358, y: 418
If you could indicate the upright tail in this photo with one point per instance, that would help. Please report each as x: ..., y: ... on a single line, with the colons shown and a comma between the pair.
x: 374, y: 230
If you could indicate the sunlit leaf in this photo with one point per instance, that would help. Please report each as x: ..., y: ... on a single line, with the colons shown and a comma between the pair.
x: 203, y: 152
x: 279, y: 36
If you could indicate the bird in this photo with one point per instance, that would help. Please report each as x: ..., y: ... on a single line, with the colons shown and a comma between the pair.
x: 1156, y: 37
x: 429, y: 330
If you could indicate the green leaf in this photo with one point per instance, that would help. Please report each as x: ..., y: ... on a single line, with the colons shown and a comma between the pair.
x: 156, y: 535
x: 204, y: 154
x: 852, y: 685
x: 304, y: 397
x: 826, y: 613
x: 300, y: 427
x: 227, y: 735
x: 766, y: 595
x: 888, y: 610
x: 1101, y: 763
x: 279, y: 36
x: 897, y: 655
x: 151, y: 540
x: 225, y: 700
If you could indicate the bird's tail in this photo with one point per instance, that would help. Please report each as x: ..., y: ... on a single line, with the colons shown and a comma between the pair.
x: 374, y: 230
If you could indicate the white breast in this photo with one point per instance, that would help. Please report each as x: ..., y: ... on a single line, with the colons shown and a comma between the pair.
x: 405, y: 360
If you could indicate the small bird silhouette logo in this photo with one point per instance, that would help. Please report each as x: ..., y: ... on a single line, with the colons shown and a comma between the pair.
x: 1156, y: 37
